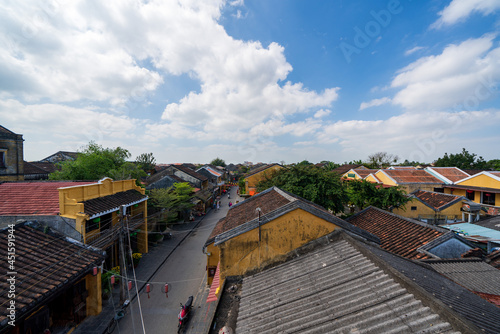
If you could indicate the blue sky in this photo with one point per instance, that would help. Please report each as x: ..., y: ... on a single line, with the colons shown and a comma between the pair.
x: 261, y: 81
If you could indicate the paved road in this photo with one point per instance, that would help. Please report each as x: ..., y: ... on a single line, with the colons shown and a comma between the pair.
x: 184, y: 271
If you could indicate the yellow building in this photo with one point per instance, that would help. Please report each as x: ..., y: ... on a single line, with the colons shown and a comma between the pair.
x: 433, y: 207
x: 482, y: 188
x: 256, y: 175
x: 358, y: 174
x: 265, y: 227
x: 95, y: 210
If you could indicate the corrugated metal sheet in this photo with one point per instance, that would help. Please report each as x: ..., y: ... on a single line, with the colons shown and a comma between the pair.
x: 334, y: 289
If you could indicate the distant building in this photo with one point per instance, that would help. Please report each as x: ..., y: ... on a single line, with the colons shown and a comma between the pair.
x: 11, y: 156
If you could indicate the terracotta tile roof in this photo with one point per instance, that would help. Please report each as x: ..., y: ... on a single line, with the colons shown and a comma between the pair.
x: 399, y: 235
x: 452, y: 174
x: 48, y: 167
x: 106, y: 204
x: 402, y: 176
x: 436, y: 201
x: 45, y: 264
x: 32, y: 198
x: 345, y: 168
x: 364, y: 172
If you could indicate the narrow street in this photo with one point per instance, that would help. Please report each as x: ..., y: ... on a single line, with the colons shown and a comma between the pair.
x: 184, y: 271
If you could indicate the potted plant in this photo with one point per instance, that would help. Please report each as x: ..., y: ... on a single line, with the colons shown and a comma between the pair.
x: 137, y: 258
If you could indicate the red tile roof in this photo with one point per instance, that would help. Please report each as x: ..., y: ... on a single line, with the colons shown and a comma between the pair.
x: 247, y: 211
x: 451, y: 173
x: 347, y: 167
x: 437, y: 201
x: 402, y: 176
x: 397, y: 234
x: 365, y: 172
x: 32, y: 198
x: 45, y: 264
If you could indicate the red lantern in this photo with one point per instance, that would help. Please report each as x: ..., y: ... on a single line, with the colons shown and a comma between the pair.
x: 112, y: 279
x: 148, y: 289
x: 94, y: 272
x: 166, y: 290
x: 130, y: 285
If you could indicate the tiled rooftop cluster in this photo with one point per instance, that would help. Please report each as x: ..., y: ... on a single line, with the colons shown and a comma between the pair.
x: 399, y: 235
x: 437, y: 201
x: 45, y: 264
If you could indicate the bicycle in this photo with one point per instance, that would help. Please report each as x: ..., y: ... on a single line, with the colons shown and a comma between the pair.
x: 120, y: 313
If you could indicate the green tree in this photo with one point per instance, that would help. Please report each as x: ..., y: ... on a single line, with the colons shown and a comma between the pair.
x: 146, y: 161
x: 309, y: 182
x: 363, y: 193
x: 462, y: 160
x: 494, y: 164
x: 218, y: 162
x: 174, y: 200
x: 93, y: 163
x: 329, y: 165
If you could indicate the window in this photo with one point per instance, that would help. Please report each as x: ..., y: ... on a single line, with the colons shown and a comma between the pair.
x: 470, y: 194
x: 2, y: 159
x: 413, y: 208
x: 439, y: 190
x: 92, y: 225
x: 489, y: 198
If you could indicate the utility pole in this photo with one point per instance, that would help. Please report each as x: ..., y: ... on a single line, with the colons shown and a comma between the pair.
x: 123, y: 268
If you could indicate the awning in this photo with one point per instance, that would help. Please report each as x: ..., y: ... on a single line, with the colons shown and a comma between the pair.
x: 103, y: 205
x: 212, y: 293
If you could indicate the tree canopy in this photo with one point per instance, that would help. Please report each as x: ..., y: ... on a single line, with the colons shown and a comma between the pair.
x: 174, y: 199
x: 146, y: 161
x: 218, y: 162
x: 95, y: 162
x: 309, y: 182
x: 462, y: 160
x: 363, y: 193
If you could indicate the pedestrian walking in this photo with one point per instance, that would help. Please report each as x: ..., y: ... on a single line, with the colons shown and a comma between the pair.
x: 230, y: 204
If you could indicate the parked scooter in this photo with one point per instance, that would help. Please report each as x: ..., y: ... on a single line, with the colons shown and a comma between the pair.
x: 184, y: 313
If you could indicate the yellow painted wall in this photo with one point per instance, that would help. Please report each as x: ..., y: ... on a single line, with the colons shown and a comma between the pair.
x: 424, y: 210
x: 278, y: 237
x: 346, y: 176
x: 70, y: 208
x: 384, y: 178
x: 481, y: 181
x: 371, y: 178
x: 212, y: 260
x: 252, y: 180
x: 94, y: 299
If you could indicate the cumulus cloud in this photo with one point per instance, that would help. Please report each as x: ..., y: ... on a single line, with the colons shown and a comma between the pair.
x: 413, y: 136
x: 374, y: 103
x: 460, y: 10
x: 462, y: 76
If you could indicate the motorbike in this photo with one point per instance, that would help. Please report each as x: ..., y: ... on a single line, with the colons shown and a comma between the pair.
x: 184, y: 313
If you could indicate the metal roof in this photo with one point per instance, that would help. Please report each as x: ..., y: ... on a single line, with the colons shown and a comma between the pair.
x: 332, y: 289
x: 474, y: 231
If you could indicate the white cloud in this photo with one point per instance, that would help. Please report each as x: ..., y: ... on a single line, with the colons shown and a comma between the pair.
x: 462, y: 76
x: 413, y: 50
x: 413, y: 136
x: 322, y: 113
x: 374, y: 103
x: 459, y: 10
